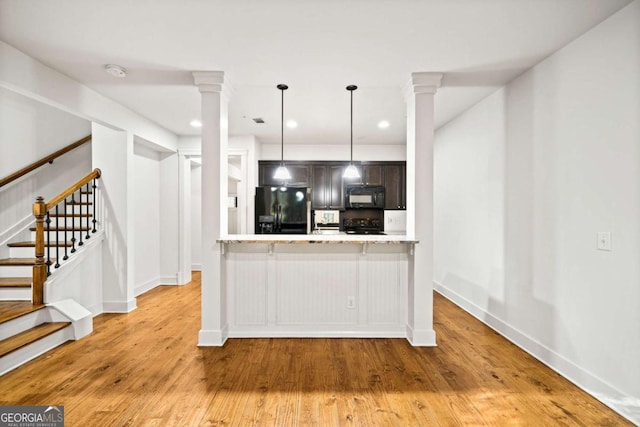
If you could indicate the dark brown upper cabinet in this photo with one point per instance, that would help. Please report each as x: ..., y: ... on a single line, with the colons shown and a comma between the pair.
x: 395, y: 177
x: 299, y: 174
x: 373, y: 174
x: 327, y: 184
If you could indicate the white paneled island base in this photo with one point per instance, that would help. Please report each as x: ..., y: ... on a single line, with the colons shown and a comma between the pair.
x: 316, y: 286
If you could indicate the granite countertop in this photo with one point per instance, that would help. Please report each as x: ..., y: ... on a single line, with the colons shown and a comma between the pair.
x: 317, y: 238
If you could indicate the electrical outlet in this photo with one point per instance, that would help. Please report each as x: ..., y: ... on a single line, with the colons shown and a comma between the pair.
x: 351, y: 302
x: 604, y: 240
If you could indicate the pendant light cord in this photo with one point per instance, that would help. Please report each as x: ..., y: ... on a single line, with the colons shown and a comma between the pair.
x: 282, y: 128
x: 351, y: 161
x: 351, y: 88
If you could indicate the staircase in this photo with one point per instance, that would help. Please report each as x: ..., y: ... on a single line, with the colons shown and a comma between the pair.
x: 28, y: 326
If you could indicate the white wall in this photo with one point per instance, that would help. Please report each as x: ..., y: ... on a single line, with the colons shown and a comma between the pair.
x: 334, y: 152
x: 524, y: 181
x: 167, y: 184
x: 146, y: 222
x: 22, y: 74
x: 196, y: 217
x: 113, y: 151
x: 29, y: 131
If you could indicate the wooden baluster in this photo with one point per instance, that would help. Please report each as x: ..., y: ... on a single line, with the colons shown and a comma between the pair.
x: 40, y: 268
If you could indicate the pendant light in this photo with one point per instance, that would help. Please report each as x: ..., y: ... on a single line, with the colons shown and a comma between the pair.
x: 351, y: 171
x: 282, y: 172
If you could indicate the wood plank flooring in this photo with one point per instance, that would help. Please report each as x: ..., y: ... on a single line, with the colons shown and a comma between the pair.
x: 145, y: 369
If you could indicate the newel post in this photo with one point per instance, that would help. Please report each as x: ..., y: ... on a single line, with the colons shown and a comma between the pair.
x: 40, y: 268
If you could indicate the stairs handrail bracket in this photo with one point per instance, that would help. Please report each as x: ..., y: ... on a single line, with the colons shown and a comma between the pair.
x: 48, y: 159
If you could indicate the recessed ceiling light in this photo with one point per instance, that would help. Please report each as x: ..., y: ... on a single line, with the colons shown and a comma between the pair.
x: 292, y: 124
x: 115, y: 70
x: 383, y: 124
x: 196, y: 123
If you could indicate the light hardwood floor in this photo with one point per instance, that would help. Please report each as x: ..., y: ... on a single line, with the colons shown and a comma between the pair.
x: 145, y: 369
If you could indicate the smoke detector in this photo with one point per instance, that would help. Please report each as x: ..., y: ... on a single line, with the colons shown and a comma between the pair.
x: 115, y: 70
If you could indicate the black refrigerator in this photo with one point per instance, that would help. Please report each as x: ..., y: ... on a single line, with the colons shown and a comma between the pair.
x: 281, y: 210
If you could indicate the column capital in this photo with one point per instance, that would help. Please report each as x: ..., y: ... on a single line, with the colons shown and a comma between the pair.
x: 423, y: 82
x: 211, y: 81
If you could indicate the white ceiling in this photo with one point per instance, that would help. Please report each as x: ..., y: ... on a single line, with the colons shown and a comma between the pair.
x: 317, y: 47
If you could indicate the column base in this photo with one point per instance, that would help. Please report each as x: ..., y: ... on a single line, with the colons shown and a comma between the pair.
x: 421, y: 337
x: 213, y: 338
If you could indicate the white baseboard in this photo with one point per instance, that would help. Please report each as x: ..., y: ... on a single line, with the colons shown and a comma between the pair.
x: 196, y: 267
x: 96, y: 309
x: 146, y: 286
x: 168, y: 280
x: 627, y: 406
x: 213, y: 338
x: 119, y: 306
x: 296, y: 333
x: 153, y: 283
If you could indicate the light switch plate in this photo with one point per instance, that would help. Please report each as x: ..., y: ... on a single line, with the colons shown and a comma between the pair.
x: 604, y: 240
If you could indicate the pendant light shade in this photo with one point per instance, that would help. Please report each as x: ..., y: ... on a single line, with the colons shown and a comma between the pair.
x: 282, y: 172
x: 351, y: 171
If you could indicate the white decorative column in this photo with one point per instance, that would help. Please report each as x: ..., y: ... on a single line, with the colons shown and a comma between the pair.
x: 419, y: 98
x: 214, y: 119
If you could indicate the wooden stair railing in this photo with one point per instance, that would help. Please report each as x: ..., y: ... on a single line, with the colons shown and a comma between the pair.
x: 49, y: 159
x: 41, y: 211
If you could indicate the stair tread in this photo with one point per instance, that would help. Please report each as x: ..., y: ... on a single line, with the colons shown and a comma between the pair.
x: 15, y: 262
x: 9, y: 310
x: 29, y: 336
x: 15, y: 282
x: 32, y: 244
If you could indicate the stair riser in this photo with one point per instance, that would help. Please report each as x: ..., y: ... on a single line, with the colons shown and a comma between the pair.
x: 22, y: 252
x: 23, y: 323
x: 71, y: 222
x: 30, y: 252
x: 15, y: 294
x: 63, y: 235
x: 72, y: 209
x: 12, y: 271
x: 31, y: 351
x: 84, y: 198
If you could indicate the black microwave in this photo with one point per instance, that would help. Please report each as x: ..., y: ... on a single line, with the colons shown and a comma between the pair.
x: 364, y: 197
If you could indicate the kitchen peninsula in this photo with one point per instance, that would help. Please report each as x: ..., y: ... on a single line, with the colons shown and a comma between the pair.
x: 317, y: 285
x: 356, y: 286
